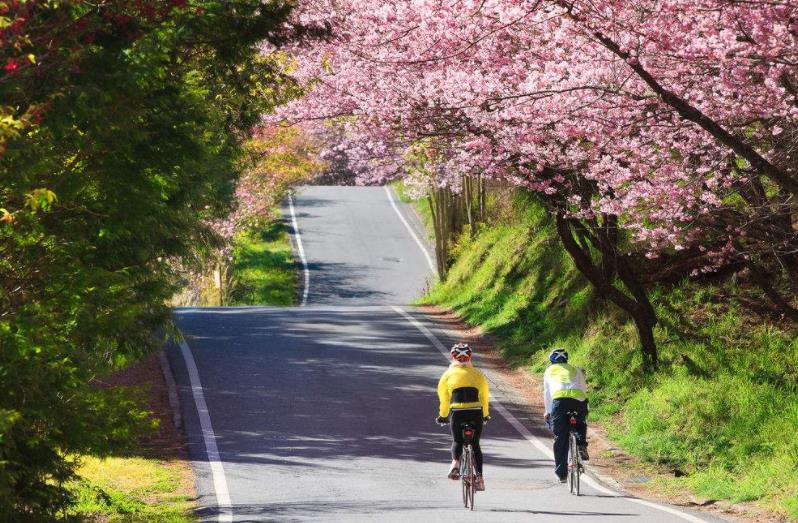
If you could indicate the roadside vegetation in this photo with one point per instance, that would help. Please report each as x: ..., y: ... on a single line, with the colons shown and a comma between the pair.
x: 151, y: 481
x: 126, y: 131
x: 264, y: 269
x: 131, y: 490
x: 249, y: 262
x: 721, y: 409
x: 255, y: 263
x: 421, y: 202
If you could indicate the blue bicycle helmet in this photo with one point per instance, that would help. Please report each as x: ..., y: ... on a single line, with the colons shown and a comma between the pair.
x: 558, y: 355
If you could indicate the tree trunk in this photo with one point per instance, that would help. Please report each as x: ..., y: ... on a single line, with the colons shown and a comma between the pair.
x: 638, y: 306
x: 609, y: 235
x: 481, y: 191
x: 776, y: 231
x: 468, y: 199
x: 763, y: 280
x: 451, y: 212
x: 437, y: 207
x: 645, y: 332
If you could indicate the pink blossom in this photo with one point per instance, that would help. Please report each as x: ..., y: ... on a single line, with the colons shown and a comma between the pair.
x: 432, y: 91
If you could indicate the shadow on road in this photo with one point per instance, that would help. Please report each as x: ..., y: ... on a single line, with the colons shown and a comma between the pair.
x: 333, y: 282
x: 327, y: 387
x: 285, y: 511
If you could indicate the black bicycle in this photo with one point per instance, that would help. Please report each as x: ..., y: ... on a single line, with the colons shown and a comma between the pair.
x: 575, y: 467
x: 468, y: 467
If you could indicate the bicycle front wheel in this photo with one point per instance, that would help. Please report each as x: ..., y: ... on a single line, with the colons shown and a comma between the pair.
x: 472, y: 478
x: 465, y: 467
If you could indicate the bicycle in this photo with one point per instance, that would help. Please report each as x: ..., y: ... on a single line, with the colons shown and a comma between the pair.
x: 575, y: 467
x: 468, y: 470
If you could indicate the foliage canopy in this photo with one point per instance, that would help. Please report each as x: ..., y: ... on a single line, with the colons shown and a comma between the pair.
x: 120, y: 136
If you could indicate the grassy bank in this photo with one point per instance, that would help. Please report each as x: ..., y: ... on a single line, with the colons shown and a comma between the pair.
x: 264, y: 270
x: 720, y: 413
x: 132, y: 489
x: 151, y: 482
x: 421, y: 204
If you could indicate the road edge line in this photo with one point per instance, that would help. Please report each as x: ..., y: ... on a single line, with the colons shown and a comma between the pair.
x: 301, y: 252
x: 220, y: 488
x: 535, y: 441
x: 411, y: 231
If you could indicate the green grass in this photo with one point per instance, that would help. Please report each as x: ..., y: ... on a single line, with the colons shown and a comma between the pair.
x: 722, y: 409
x: 132, y: 490
x: 265, y: 272
x: 421, y: 205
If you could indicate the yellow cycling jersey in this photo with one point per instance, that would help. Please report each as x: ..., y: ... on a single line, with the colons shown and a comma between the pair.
x: 463, y: 387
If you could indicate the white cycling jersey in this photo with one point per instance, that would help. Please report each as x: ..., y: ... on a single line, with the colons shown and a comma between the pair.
x: 562, y: 380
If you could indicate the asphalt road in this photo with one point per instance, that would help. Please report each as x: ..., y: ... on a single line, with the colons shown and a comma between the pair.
x: 358, y: 250
x: 325, y: 412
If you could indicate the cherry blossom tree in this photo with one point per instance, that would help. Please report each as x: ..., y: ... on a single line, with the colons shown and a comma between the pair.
x: 275, y: 159
x: 660, y: 133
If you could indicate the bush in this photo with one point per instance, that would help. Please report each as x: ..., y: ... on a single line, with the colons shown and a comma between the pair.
x: 126, y: 133
x: 264, y: 267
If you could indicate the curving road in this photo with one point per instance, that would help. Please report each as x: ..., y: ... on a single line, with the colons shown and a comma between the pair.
x: 324, y: 412
x: 358, y: 251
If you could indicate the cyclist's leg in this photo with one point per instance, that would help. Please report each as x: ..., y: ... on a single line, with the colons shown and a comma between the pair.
x: 476, y: 419
x: 581, y: 430
x: 560, y: 427
x: 581, y: 423
x: 457, y: 434
x: 457, y: 446
x: 478, y: 456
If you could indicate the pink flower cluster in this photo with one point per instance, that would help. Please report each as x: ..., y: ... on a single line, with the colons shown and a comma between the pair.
x: 663, y: 106
x: 274, y: 160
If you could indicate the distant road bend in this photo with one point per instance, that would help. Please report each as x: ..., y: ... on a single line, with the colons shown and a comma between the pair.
x: 324, y: 412
x: 361, y: 246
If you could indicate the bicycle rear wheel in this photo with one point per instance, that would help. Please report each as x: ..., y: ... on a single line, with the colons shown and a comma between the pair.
x: 468, y: 477
x: 574, y: 464
x: 465, y: 467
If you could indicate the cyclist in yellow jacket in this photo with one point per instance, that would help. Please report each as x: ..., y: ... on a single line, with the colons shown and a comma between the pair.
x: 464, y: 393
x: 564, y: 390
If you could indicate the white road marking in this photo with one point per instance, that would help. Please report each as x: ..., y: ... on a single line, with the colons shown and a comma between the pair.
x: 301, y: 250
x: 536, y: 442
x: 214, y: 460
x: 411, y: 231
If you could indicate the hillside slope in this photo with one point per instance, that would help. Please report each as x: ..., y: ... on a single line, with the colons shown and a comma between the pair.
x: 722, y: 409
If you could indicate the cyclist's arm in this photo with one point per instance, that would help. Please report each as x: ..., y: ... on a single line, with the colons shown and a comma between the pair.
x: 444, y: 396
x: 484, y: 396
x: 546, y: 394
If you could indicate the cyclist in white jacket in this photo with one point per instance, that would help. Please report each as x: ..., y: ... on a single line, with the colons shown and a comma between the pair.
x: 565, y: 390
